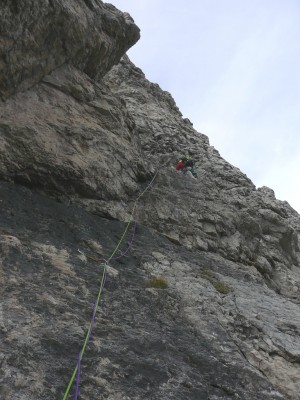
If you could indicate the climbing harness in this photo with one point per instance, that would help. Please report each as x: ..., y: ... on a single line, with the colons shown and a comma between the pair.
x: 133, y: 217
x: 192, y: 170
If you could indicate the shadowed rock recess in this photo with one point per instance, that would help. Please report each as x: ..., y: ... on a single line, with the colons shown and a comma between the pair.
x: 82, y: 133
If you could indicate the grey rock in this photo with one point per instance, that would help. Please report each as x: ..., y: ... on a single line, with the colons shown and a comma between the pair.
x: 79, y: 141
x: 60, y: 136
x: 222, y: 208
x: 187, y: 341
x: 39, y: 36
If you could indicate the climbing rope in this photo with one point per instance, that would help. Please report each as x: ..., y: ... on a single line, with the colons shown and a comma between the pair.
x: 133, y: 217
x: 123, y: 253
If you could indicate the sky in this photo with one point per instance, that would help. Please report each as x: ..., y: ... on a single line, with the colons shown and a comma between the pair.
x: 233, y: 68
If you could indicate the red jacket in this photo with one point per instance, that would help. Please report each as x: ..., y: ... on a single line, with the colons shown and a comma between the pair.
x: 179, y: 166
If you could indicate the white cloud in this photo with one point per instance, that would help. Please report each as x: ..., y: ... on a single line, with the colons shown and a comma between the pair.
x: 284, y: 179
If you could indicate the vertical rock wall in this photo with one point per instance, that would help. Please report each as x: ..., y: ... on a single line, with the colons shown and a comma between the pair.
x: 38, y: 36
x: 88, y: 138
x: 221, y: 211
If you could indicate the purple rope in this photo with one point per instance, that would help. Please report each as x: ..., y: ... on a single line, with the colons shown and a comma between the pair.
x: 123, y: 253
x: 90, y: 333
x: 131, y: 240
x: 78, y: 376
x: 103, y: 284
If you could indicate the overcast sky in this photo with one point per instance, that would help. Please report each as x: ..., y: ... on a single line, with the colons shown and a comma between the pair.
x: 233, y: 68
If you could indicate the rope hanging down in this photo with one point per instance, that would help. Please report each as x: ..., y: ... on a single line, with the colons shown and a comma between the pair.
x: 101, y: 286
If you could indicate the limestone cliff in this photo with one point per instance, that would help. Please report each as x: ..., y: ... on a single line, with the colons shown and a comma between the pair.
x: 81, y: 135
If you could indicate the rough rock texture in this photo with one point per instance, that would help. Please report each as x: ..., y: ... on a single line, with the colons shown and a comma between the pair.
x: 147, y: 343
x: 75, y: 151
x: 38, y: 36
x: 60, y: 137
x: 222, y: 211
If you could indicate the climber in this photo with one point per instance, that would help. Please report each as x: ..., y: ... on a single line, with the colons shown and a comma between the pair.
x: 187, y: 166
x: 181, y: 164
x: 190, y: 166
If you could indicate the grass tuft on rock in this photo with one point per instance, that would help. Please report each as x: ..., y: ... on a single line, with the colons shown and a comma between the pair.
x: 220, y: 286
x: 157, y: 282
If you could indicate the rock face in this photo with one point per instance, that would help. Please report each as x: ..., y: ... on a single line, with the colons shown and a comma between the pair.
x: 221, y: 211
x: 37, y: 37
x: 60, y: 137
x: 79, y: 140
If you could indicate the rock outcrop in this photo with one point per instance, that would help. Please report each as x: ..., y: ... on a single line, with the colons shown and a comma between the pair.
x: 70, y: 136
x: 37, y: 37
x: 219, y: 212
x: 80, y: 138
